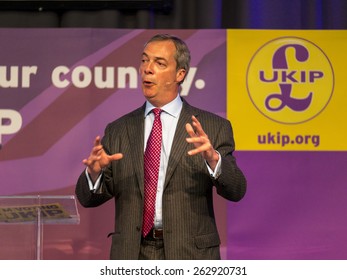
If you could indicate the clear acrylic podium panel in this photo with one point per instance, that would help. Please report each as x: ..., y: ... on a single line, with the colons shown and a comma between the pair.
x: 22, y: 219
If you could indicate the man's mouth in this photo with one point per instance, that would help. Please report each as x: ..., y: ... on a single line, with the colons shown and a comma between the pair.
x: 148, y: 83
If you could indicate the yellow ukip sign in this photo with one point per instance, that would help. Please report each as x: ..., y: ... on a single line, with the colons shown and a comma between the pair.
x: 287, y: 89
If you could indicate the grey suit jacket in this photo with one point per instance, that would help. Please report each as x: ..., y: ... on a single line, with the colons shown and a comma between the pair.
x: 188, y: 218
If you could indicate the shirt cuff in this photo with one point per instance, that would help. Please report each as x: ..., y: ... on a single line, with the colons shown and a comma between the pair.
x: 96, y: 186
x: 218, y: 170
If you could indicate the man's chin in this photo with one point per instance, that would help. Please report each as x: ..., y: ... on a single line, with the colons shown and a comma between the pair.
x: 148, y: 94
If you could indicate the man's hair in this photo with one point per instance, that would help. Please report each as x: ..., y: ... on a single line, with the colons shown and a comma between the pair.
x: 182, y: 55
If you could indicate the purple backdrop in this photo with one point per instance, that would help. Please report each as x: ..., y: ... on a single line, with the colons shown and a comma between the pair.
x: 60, y: 122
x: 295, y: 207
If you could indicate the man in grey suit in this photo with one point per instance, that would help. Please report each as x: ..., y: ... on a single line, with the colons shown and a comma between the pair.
x: 196, y: 155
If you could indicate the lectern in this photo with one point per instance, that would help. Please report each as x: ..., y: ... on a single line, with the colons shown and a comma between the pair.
x: 22, y: 219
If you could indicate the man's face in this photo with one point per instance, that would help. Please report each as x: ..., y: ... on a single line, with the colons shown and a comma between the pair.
x: 160, y: 79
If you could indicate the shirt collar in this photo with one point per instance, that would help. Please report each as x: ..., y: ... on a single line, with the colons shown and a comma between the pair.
x: 173, y: 108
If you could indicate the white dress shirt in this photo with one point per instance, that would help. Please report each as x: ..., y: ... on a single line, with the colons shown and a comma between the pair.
x: 169, y: 119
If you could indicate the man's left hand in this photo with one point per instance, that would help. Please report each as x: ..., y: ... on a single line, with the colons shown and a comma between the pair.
x: 202, y: 144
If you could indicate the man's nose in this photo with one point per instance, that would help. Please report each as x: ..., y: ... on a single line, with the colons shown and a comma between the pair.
x: 149, y: 68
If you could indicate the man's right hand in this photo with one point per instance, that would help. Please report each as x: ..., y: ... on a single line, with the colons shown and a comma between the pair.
x: 98, y: 159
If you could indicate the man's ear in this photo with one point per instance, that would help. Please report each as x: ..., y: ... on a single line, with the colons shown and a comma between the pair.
x: 181, y: 73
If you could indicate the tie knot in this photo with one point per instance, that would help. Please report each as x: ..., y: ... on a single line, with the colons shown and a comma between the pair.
x: 157, y: 112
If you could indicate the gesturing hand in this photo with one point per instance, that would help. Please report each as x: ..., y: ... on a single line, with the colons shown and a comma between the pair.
x: 202, y: 144
x: 98, y: 159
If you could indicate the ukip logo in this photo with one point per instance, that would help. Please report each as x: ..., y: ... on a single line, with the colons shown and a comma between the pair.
x: 290, y: 80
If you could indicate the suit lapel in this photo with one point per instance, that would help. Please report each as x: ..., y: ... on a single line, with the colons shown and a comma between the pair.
x: 179, y: 145
x: 136, y: 136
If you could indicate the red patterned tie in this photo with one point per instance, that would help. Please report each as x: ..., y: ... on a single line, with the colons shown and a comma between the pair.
x: 151, y: 172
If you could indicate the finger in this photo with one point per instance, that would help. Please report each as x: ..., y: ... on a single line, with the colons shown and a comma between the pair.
x: 194, y: 119
x: 190, y: 130
x: 197, y: 139
x: 90, y: 160
x: 116, y: 156
x: 97, y: 150
x: 193, y: 152
x: 198, y: 150
x: 198, y: 127
x: 97, y: 141
x: 95, y: 153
